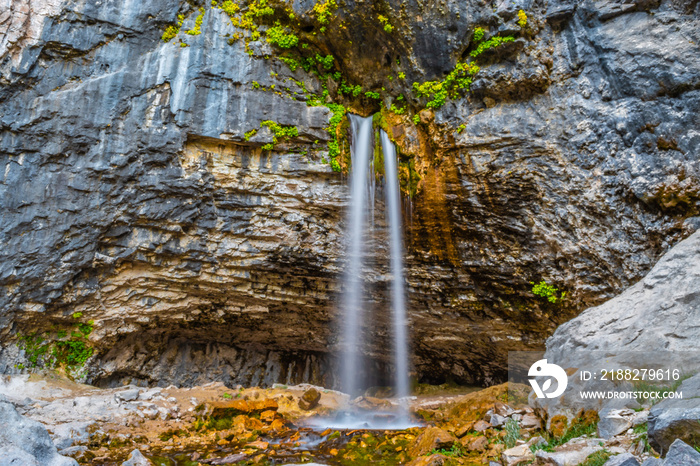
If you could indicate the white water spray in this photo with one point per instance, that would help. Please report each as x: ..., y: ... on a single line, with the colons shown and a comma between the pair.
x: 398, y: 293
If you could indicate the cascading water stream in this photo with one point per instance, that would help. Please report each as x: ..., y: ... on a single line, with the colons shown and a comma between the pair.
x: 360, y: 221
x: 357, y: 223
x: 398, y: 293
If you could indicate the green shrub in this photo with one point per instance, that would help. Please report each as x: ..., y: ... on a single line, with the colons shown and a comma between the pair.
x: 278, y: 35
x: 172, y: 31
x: 522, y: 19
x: 493, y: 42
x: 197, y: 29
x: 512, y: 429
x: 547, y: 291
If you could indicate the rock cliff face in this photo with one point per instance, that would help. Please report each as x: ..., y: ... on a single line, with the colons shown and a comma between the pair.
x: 135, y: 196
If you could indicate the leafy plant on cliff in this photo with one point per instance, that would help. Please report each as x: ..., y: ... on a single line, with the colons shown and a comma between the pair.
x: 324, y: 11
x: 522, y: 18
x: 278, y: 35
x: 456, y: 81
x: 333, y: 129
x: 172, y: 31
x: 495, y: 41
x: 385, y: 23
x: 197, y: 29
x: 279, y: 132
x: 545, y: 290
x: 71, y: 353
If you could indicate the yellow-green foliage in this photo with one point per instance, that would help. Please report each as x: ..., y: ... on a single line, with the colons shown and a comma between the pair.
x: 385, y: 22
x: 438, y: 92
x: 334, y: 146
x: 292, y: 63
x: 197, y: 30
x: 250, y: 134
x: 493, y: 42
x: 230, y: 8
x: 279, y: 132
x: 522, y: 19
x: 324, y: 11
x: 59, y: 351
x: 279, y: 36
x: 547, y: 291
x: 172, y: 31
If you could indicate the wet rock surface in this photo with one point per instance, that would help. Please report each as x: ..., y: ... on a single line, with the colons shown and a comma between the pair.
x: 131, y: 195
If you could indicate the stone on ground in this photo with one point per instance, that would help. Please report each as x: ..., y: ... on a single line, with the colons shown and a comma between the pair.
x: 137, y: 459
x: 309, y: 400
x: 19, y: 433
x: 432, y: 438
x: 574, y: 452
x: 676, y: 418
x: 624, y: 459
x: 682, y: 454
x: 517, y: 455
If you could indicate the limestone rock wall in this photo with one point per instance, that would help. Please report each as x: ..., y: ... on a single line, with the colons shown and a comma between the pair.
x: 131, y: 195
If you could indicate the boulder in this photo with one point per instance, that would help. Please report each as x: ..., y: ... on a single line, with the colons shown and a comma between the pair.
x: 137, y: 459
x: 481, y: 426
x: 497, y: 420
x: 309, y: 400
x: 27, y: 440
x: 476, y: 444
x: 645, y: 324
x: 682, y: 454
x: 432, y: 438
x: 131, y: 394
x: 12, y: 455
x: 676, y: 418
x: 624, y: 459
x: 653, y: 462
x: 517, y: 455
x: 649, y: 317
x: 574, y: 452
x: 614, y: 422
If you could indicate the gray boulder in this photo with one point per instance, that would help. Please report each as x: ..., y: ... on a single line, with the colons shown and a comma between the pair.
x: 648, y: 317
x: 674, y: 419
x: 682, y: 454
x: 26, y: 442
x: 137, y: 459
x: 624, y: 459
x: 653, y: 462
x: 644, y: 327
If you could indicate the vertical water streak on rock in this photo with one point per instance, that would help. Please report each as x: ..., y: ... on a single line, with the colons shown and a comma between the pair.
x: 361, y: 150
x: 398, y: 293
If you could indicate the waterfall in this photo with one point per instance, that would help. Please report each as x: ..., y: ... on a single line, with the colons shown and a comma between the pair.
x: 360, y: 193
x: 398, y: 293
x: 360, y: 226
